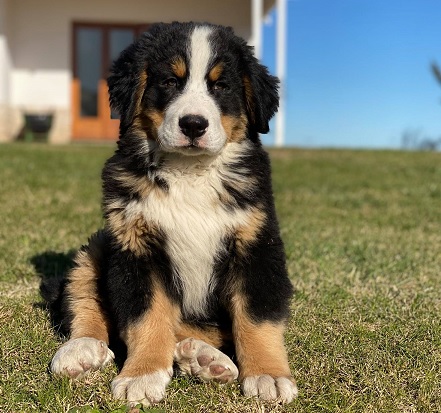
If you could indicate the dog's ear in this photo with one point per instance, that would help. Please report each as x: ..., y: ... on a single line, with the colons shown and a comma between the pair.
x: 127, y: 82
x: 261, y: 93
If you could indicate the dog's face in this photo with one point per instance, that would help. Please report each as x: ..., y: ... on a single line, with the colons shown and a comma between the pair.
x: 192, y: 88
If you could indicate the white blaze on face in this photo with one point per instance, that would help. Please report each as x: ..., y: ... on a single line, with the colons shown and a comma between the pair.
x: 194, y: 100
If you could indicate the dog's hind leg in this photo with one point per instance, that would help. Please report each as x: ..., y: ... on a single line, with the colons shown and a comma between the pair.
x: 197, y: 358
x: 87, y: 348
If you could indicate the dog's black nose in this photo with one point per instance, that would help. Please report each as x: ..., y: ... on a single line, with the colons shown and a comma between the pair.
x: 193, y: 126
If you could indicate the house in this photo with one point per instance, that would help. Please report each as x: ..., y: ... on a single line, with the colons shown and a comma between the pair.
x: 55, y: 55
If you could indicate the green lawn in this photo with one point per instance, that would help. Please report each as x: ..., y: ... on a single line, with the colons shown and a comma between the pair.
x: 363, y: 241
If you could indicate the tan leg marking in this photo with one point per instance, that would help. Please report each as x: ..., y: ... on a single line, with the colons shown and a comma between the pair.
x: 150, y: 347
x: 89, y: 319
x: 87, y: 348
x: 212, y: 336
x: 151, y: 341
x: 260, y: 347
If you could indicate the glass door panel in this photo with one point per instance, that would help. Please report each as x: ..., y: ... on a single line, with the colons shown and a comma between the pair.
x: 89, y: 50
x: 95, y: 47
x: 119, y: 39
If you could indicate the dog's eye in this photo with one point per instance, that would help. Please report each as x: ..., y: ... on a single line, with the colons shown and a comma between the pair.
x: 220, y: 86
x: 170, y: 82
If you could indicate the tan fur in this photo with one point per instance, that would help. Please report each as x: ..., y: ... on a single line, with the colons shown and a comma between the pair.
x: 216, y: 72
x: 156, y: 117
x: 132, y: 232
x: 249, y: 98
x: 151, y: 341
x: 259, y: 346
x: 210, y: 335
x: 179, y: 67
x: 248, y: 233
x: 89, y: 319
x: 147, y: 123
x: 139, y: 123
x: 139, y: 92
x: 142, y: 186
x: 234, y: 127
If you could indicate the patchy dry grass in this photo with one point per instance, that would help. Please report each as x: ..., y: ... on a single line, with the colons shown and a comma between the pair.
x: 363, y: 240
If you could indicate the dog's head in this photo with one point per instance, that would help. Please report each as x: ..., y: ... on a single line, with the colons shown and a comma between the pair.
x: 192, y: 88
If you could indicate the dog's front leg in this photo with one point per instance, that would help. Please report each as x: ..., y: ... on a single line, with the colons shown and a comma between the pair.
x: 150, y: 347
x: 262, y: 357
x: 259, y: 310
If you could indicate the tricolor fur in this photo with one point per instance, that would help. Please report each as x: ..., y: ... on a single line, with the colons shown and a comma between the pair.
x: 191, y: 247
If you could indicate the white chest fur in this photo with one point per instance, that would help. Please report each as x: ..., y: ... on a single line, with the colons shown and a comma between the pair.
x: 195, y: 223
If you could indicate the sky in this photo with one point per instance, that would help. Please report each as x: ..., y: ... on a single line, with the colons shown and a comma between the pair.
x: 358, y: 72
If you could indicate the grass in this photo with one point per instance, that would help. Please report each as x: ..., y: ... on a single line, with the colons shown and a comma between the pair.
x: 363, y: 240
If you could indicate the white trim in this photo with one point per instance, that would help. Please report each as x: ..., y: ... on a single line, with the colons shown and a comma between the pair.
x: 281, y: 69
x: 256, y: 26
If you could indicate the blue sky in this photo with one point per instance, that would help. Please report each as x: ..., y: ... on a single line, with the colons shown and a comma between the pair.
x: 358, y: 71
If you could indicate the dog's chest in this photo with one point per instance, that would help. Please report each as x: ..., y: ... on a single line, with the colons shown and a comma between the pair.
x: 195, y: 224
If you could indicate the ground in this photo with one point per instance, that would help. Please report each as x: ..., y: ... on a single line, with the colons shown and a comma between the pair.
x: 362, y: 231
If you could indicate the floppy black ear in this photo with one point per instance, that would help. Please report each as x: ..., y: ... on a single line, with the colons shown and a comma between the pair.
x: 261, y: 93
x: 127, y: 82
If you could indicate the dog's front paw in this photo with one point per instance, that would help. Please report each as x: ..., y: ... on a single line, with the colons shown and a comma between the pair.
x: 268, y: 388
x: 147, y: 389
x: 78, y: 356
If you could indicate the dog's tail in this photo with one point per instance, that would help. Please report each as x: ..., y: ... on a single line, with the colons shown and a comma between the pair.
x: 52, y: 290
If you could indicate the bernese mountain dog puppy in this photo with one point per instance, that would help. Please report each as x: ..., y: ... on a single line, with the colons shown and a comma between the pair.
x: 190, y: 259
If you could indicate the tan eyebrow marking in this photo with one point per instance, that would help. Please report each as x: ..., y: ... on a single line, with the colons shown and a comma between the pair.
x: 179, y: 67
x: 216, y: 72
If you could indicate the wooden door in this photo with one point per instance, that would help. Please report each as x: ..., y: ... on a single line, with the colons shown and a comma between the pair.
x: 95, y: 46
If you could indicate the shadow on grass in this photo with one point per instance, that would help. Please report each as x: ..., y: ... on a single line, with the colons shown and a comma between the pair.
x: 52, y: 267
x: 50, y: 264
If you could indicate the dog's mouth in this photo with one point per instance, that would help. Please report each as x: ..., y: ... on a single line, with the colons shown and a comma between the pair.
x: 192, y: 148
x: 194, y: 145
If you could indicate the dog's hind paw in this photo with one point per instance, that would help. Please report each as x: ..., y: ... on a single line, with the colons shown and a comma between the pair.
x: 146, y: 389
x: 197, y: 358
x: 269, y: 388
x: 78, y: 356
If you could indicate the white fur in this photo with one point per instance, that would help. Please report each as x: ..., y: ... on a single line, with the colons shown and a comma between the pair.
x: 195, y: 100
x: 147, y: 389
x: 267, y: 388
x: 193, y: 218
x: 76, y: 357
x: 189, y: 350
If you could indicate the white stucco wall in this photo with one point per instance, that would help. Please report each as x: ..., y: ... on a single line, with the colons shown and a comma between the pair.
x: 5, y: 68
x: 40, y: 43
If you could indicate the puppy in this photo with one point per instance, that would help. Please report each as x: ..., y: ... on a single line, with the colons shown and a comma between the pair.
x: 190, y: 259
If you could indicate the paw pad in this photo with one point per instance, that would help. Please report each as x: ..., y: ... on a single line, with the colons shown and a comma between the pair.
x: 197, y: 358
